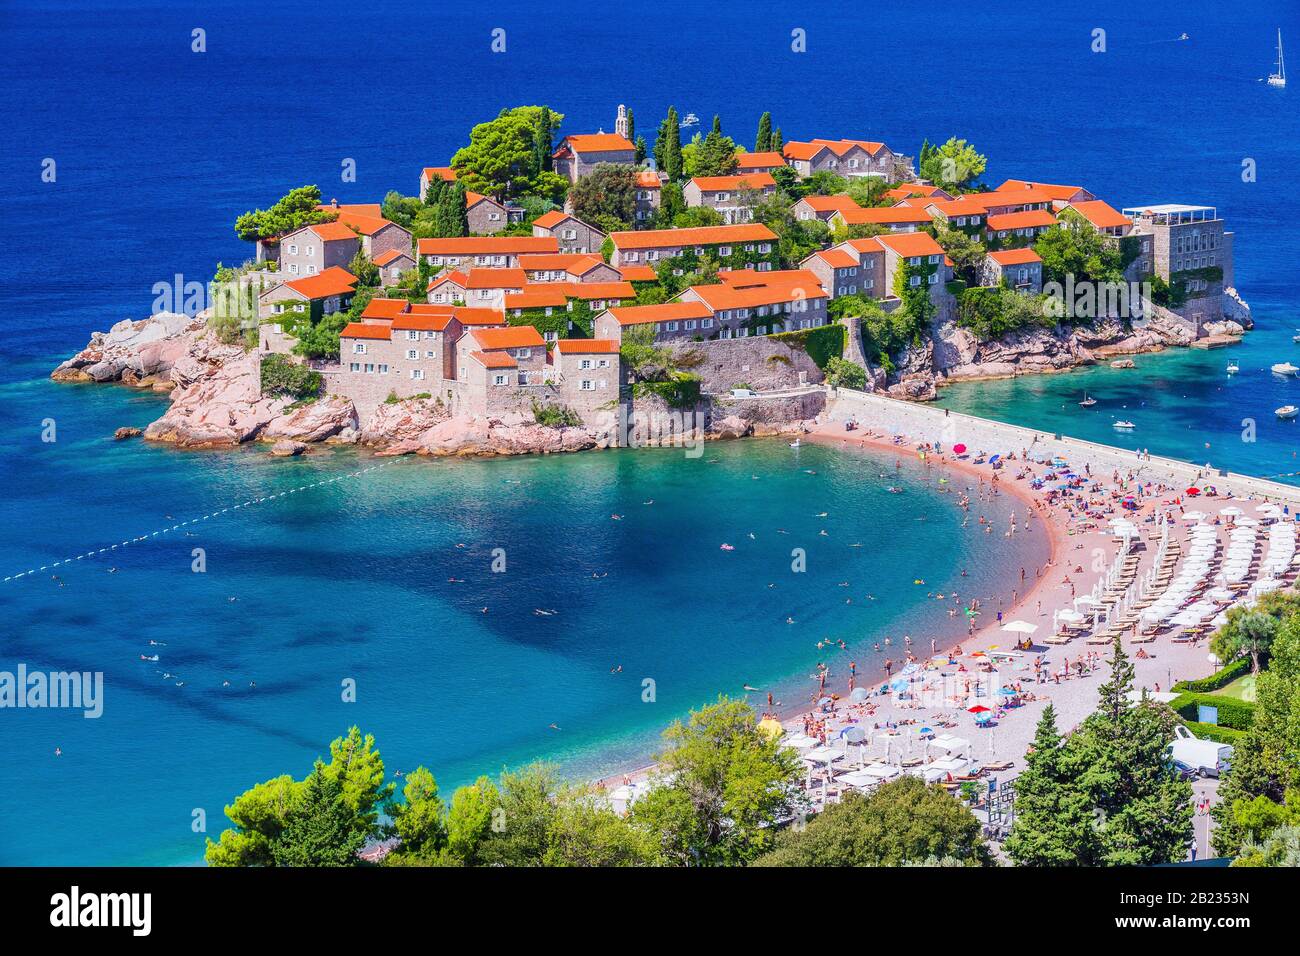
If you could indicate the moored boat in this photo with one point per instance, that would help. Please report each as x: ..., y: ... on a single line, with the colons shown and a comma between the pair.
x: 1124, y: 424
x: 1284, y: 368
x: 1287, y: 412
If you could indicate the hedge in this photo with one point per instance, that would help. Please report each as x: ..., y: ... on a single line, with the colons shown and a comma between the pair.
x: 822, y: 343
x: 1220, y: 678
x: 1216, y: 732
x: 1234, y: 714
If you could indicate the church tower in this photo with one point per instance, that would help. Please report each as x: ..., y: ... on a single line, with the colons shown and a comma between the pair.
x: 620, y: 124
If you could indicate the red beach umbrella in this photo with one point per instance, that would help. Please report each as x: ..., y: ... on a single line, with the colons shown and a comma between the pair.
x: 1193, y: 491
x: 959, y: 448
x: 977, y: 709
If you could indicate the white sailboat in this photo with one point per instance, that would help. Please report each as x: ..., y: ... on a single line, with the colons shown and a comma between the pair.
x: 1278, y: 76
x: 1088, y: 402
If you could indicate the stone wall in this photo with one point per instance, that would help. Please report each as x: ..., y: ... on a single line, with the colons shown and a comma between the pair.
x: 761, y: 362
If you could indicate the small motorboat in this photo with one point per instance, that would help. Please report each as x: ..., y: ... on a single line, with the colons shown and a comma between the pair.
x: 1287, y: 412
x: 1087, y: 401
x: 1296, y: 337
x: 1284, y: 368
x: 796, y: 444
x: 1233, y: 368
x: 144, y: 657
x: 1124, y: 424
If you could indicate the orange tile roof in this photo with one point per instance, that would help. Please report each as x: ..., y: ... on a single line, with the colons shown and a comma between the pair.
x: 829, y: 203
x: 666, y: 312
x: 1054, y: 190
x: 759, y: 160
x: 455, y: 277
x: 467, y: 315
x: 912, y: 189
x: 511, y: 337
x: 798, y: 150
x: 539, y: 295
x: 837, y: 258
x: 1015, y: 257
x: 1010, y: 197
x: 648, y: 179
x: 597, y: 143
x: 638, y: 273
x: 472, y: 199
x: 332, y: 231
x: 868, y: 245
x: 909, y: 244
x: 364, y: 330
x: 431, y: 308
x: 384, y: 258
x: 1101, y: 214
x: 744, y: 181
x: 421, y: 323
x: 365, y: 218
x: 599, y: 290
x: 333, y: 281
x: 698, y: 236
x: 385, y: 308
x: 372, y: 209
x: 587, y: 346
x: 884, y: 216
x: 749, y: 278
x: 574, y: 263
x: 494, y: 359
x: 1021, y: 220
x: 445, y: 173
x: 496, y: 279
x: 488, y: 245
x: 553, y: 218
x: 962, y: 206
x: 727, y: 297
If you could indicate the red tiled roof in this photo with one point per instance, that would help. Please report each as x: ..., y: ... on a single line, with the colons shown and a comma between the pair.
x: 431, y: 308
x: 336, y: 231
x: 1053, y: 190
x: 1101, y: 214
x: 553, y: 218
x: 912, y: 189
x: 759, y: 160
x: 909, y: 244
x: 364, y: 330
x: 455, y: 277
x: 596, y: 143
x: 698, y: 236
x: 574, y: 263
x: 384, y: 258
x: 648, y: 179
x: 884, y: 215
x: 496, y: 279
x: 488, y: 245
x: 365, y: 218
x: 1021, y: 220
x: 750, y: 278
x: 421, y: 323
x: 666, y: 312
x: 467, y: 315
x: 587, y: 346
x: 494, y: 359
x: 758, y: 180
x: 511, y: 337
x: 829, y: 203
x: 333, y: 281
x: 1010, y: 197
x: 798, y: 150
x: 961, y: 206
x: 727, y: 297
x: 837, y: 258
x: 1015, y: 257
x: 539, y: 295
x: 385, y: 308
x: 638, y: 273
x: 445, y: 173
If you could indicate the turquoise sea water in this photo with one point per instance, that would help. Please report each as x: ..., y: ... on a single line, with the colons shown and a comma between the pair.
x: 353, y: 580
x: 158, y: 148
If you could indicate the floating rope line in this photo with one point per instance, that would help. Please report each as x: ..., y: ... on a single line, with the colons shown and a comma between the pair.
x: 251, y: 502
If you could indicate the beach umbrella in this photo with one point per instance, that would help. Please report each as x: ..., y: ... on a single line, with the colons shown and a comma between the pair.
x: 977, y: 709
x: 771, y: 727
x: 1234, y: 511
x: 959, y: 448
x: 983, y: 718
x: 859, y: 693
x: 1070, y: 617
x: 1193, y: 491
x: 1020, y: 627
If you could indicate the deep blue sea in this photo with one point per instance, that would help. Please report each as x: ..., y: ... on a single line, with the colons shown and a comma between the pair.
x: 158, y: 148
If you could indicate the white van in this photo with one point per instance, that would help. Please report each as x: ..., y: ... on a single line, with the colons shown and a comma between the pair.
x: 1204, y: 758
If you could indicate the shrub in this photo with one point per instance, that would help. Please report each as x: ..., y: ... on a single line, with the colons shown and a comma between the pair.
x: 1234, y: 714
x: 822, y: 343
x: 556, y: 416
x: 1220, y: 678
x: 283, y: 377
x: 841, y: 371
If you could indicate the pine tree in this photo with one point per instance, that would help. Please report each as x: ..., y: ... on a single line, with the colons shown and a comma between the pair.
x: 778, y: 143
x: 436, y: 190
x: 763, y: 142
x: 717, y: 124
x: 1054, y: 824
x: 321, y: 830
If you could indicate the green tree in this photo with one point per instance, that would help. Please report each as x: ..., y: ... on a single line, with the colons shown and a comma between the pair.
x: 292, y: 211
x: 1280, y: 848
x: 607, y: 192
x: 469, y: 820
x: 671, y: 205
x: 965, y: 251
x: 320, y: 828
x: 763, y: 141
x: 842, y: 372
x: 259, y: 815
x: 419, y: 820
x: 904, y: 821
x: 778, y: 141
x: 584, y: 832
x: 1073, y: 248
x: 668, y: 146
x: 1247, y: 631
x: 526, y: 809
x: 507, y: 156
x: 1054, y: 821
x: 719, y: 789
x: 367, y: 272
x: 952, y: 165
x: 402, y: 209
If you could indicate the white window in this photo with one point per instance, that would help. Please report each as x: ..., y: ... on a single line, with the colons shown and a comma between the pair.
x: 586, y: 363
x: 358, y: 348
x: 933, y: 279
x: 311, y: 270
x: 430, y: 354
x: 383, y: 369
x: 933, y: 260
x: 690, y: 325
x: 311, y: 250
x: 670, y: 326
x: 523, y: 353
x: 706, y: 323
x: 412, y: 336
x: 354, y: 367
x: 570, y: 234
x: 412, y: 354
x: 417, y: 374
x: 765, y: 247
x: 493, y: 216
x: 370, y: 369
x: 587, y: 385
x: 293, y: 268
x: 914, y: 280
x: 724, y: 250
x: 498, y: 380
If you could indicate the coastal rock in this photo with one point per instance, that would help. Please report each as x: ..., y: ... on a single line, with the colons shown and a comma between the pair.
x: 313, y: 423
x: 1228, y: 327
x: 464, y: 436
x: 223, y: 407
x: 729, y: 427
x: 285, y: 448
x: 1236, y: 309
x: 401, y: 423
x: 144, y: 348
x: 126, y: 432
x: 915, y: 388
x: 1123, y: 363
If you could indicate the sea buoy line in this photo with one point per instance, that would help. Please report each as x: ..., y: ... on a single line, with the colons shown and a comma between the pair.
x: 251, y: 502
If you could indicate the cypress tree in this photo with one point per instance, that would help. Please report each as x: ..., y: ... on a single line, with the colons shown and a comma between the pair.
x: 1054, y: 825
x: 542, y: 146
x: 778, y: 143
x: 631, y: 127
x: 434, y: 193
x: 321, y: 830
x: 458, y: 213
x: 640, y: 150
x: 763, y: 142
x: 672, y: 151
x: 717, y: 124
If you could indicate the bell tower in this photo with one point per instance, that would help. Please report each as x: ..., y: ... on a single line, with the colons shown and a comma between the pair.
x: 620, y: 124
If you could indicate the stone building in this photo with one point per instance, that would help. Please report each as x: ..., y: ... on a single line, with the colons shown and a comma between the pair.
x: 570, y: 232
x: 732, y: 197
x: 1192, y: 252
